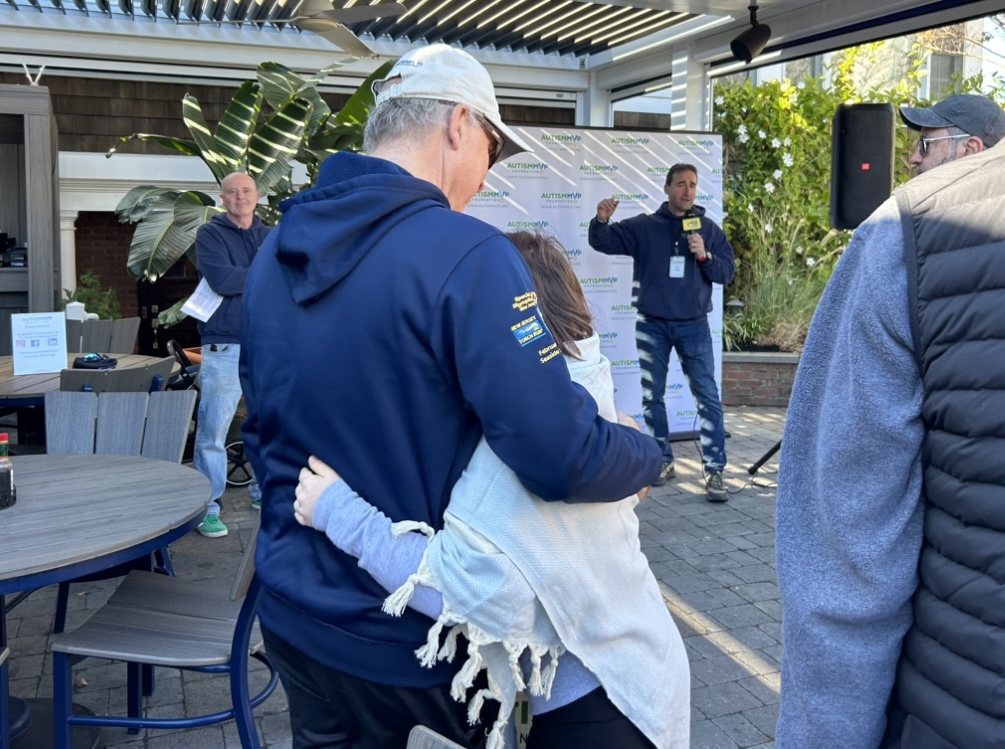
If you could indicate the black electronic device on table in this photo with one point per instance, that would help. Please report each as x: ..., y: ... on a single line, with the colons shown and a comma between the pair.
x: 6, y: 247
x: 17, y: 257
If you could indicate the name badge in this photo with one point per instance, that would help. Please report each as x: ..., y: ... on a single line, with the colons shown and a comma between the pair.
x: 692, y: 224
x: 677, y: 266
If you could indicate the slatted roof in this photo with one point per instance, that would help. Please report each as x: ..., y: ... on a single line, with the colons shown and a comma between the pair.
x: 566, y: 27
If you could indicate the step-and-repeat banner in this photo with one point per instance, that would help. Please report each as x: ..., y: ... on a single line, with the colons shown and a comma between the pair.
x: 556, y: 190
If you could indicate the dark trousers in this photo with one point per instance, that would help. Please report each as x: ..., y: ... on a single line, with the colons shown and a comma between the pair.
x: 692, y: 341
x: 591, y: 722
x: 332, y: 710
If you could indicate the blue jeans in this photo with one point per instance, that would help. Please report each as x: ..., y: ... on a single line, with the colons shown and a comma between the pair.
x: 219, y: 394
x: 693, y: 342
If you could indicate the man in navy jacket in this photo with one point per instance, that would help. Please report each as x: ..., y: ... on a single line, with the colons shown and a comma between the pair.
x: 678, y: 255
x: 386, y: 332
x: 224, y: 249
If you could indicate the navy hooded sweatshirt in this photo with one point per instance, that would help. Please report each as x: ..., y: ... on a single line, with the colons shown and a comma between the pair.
x: 224, y: 252
x: 651, y: 239
x: 385, y: 333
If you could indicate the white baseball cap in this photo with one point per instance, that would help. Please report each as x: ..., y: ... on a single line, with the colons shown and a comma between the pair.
x: 442, y: 72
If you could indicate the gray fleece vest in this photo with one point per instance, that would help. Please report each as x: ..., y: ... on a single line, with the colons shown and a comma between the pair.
x: 950, y: 687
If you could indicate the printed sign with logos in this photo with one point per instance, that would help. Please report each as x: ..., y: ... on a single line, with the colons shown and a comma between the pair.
x: 39, y: 342
x: 555, y: 190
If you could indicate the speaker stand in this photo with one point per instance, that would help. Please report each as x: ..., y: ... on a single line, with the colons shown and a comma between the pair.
x: 764, y: 458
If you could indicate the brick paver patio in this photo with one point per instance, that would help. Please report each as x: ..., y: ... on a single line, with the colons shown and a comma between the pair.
x: 715, y: 564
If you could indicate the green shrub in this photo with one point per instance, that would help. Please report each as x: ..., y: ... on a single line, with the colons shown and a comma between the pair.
x: 105, y: 304
x: 778, y: 306
x: 776, y: 188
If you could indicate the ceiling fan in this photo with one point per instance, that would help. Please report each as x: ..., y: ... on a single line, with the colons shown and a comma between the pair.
x: 332, y: 24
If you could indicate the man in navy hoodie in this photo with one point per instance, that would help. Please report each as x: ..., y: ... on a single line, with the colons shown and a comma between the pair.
x: 224, y: 249
x: 386, y: 332
x: 678, y: 255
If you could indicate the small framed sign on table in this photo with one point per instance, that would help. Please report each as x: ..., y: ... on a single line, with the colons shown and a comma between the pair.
x: 39, y: 342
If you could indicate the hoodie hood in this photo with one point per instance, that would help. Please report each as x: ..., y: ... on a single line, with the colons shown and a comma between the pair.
x: 327, y: 230
x: 664, y: 210
x: 222, y: 221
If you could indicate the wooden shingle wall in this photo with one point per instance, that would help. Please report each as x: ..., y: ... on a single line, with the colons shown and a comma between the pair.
x: 93, y: 113
x: 641, y: 121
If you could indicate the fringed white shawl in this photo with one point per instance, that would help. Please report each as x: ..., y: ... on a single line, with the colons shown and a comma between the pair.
x: 519, y: 574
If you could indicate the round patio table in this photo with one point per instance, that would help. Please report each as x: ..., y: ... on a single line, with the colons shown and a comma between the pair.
x: 75, y: 515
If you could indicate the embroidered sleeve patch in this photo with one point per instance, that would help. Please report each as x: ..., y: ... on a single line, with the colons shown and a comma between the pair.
x: 527, y: 330
x: 525, y: 301
x: 548, y: 353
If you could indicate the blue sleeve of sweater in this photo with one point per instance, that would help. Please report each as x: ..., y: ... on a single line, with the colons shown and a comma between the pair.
x: 361, y: 530
x: 489, y: 336
x: 849, y: 524
x: 213, y: 260
x: 613, y: 238
x: 720, y: 267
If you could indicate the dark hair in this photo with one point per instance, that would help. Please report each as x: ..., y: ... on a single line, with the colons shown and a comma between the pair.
x: 681, y: 168
x: 559, y: 296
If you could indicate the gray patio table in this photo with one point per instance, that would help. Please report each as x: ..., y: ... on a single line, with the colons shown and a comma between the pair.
x: 75, y: 515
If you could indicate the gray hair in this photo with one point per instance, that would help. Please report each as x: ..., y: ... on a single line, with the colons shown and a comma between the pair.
x: 397, y: 118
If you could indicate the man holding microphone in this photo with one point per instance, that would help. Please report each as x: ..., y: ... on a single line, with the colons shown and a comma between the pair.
x: 678, y: 255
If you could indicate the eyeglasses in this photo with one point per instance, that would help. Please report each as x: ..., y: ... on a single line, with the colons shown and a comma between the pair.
x: 923, y: 141
x: 495, y: 139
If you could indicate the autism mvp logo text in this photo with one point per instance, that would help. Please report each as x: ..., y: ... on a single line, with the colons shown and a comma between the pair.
x: 561, y: 199
x: 628, y: 143
x: 525, y: 170
x: 696, y: 144
x: 491, y: 197
x: 599, y: 283
x: 561, y: 141
x: 631, y: 197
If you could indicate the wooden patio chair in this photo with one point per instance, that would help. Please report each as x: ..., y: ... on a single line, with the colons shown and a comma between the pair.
x: 151, y: 425
x: 133, y: 380
x: 153, y: 620
x: 110, y: 336
x: 74, y: 336
x: 161, y: 368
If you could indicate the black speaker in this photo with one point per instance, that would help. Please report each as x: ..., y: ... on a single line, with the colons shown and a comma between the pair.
x: 862, y: 143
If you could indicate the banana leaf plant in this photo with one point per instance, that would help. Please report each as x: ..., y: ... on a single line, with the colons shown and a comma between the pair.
x: 299, y: 127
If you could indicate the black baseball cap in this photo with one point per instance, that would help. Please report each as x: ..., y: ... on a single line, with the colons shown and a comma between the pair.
x: 975, y: 115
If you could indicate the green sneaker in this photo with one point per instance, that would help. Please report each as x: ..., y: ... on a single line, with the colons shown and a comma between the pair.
x: 715, y: 490
x: 667, y: 472
x: 212, y: 527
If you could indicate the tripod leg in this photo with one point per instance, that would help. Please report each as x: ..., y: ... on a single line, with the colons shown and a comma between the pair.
x: 764, y: 458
